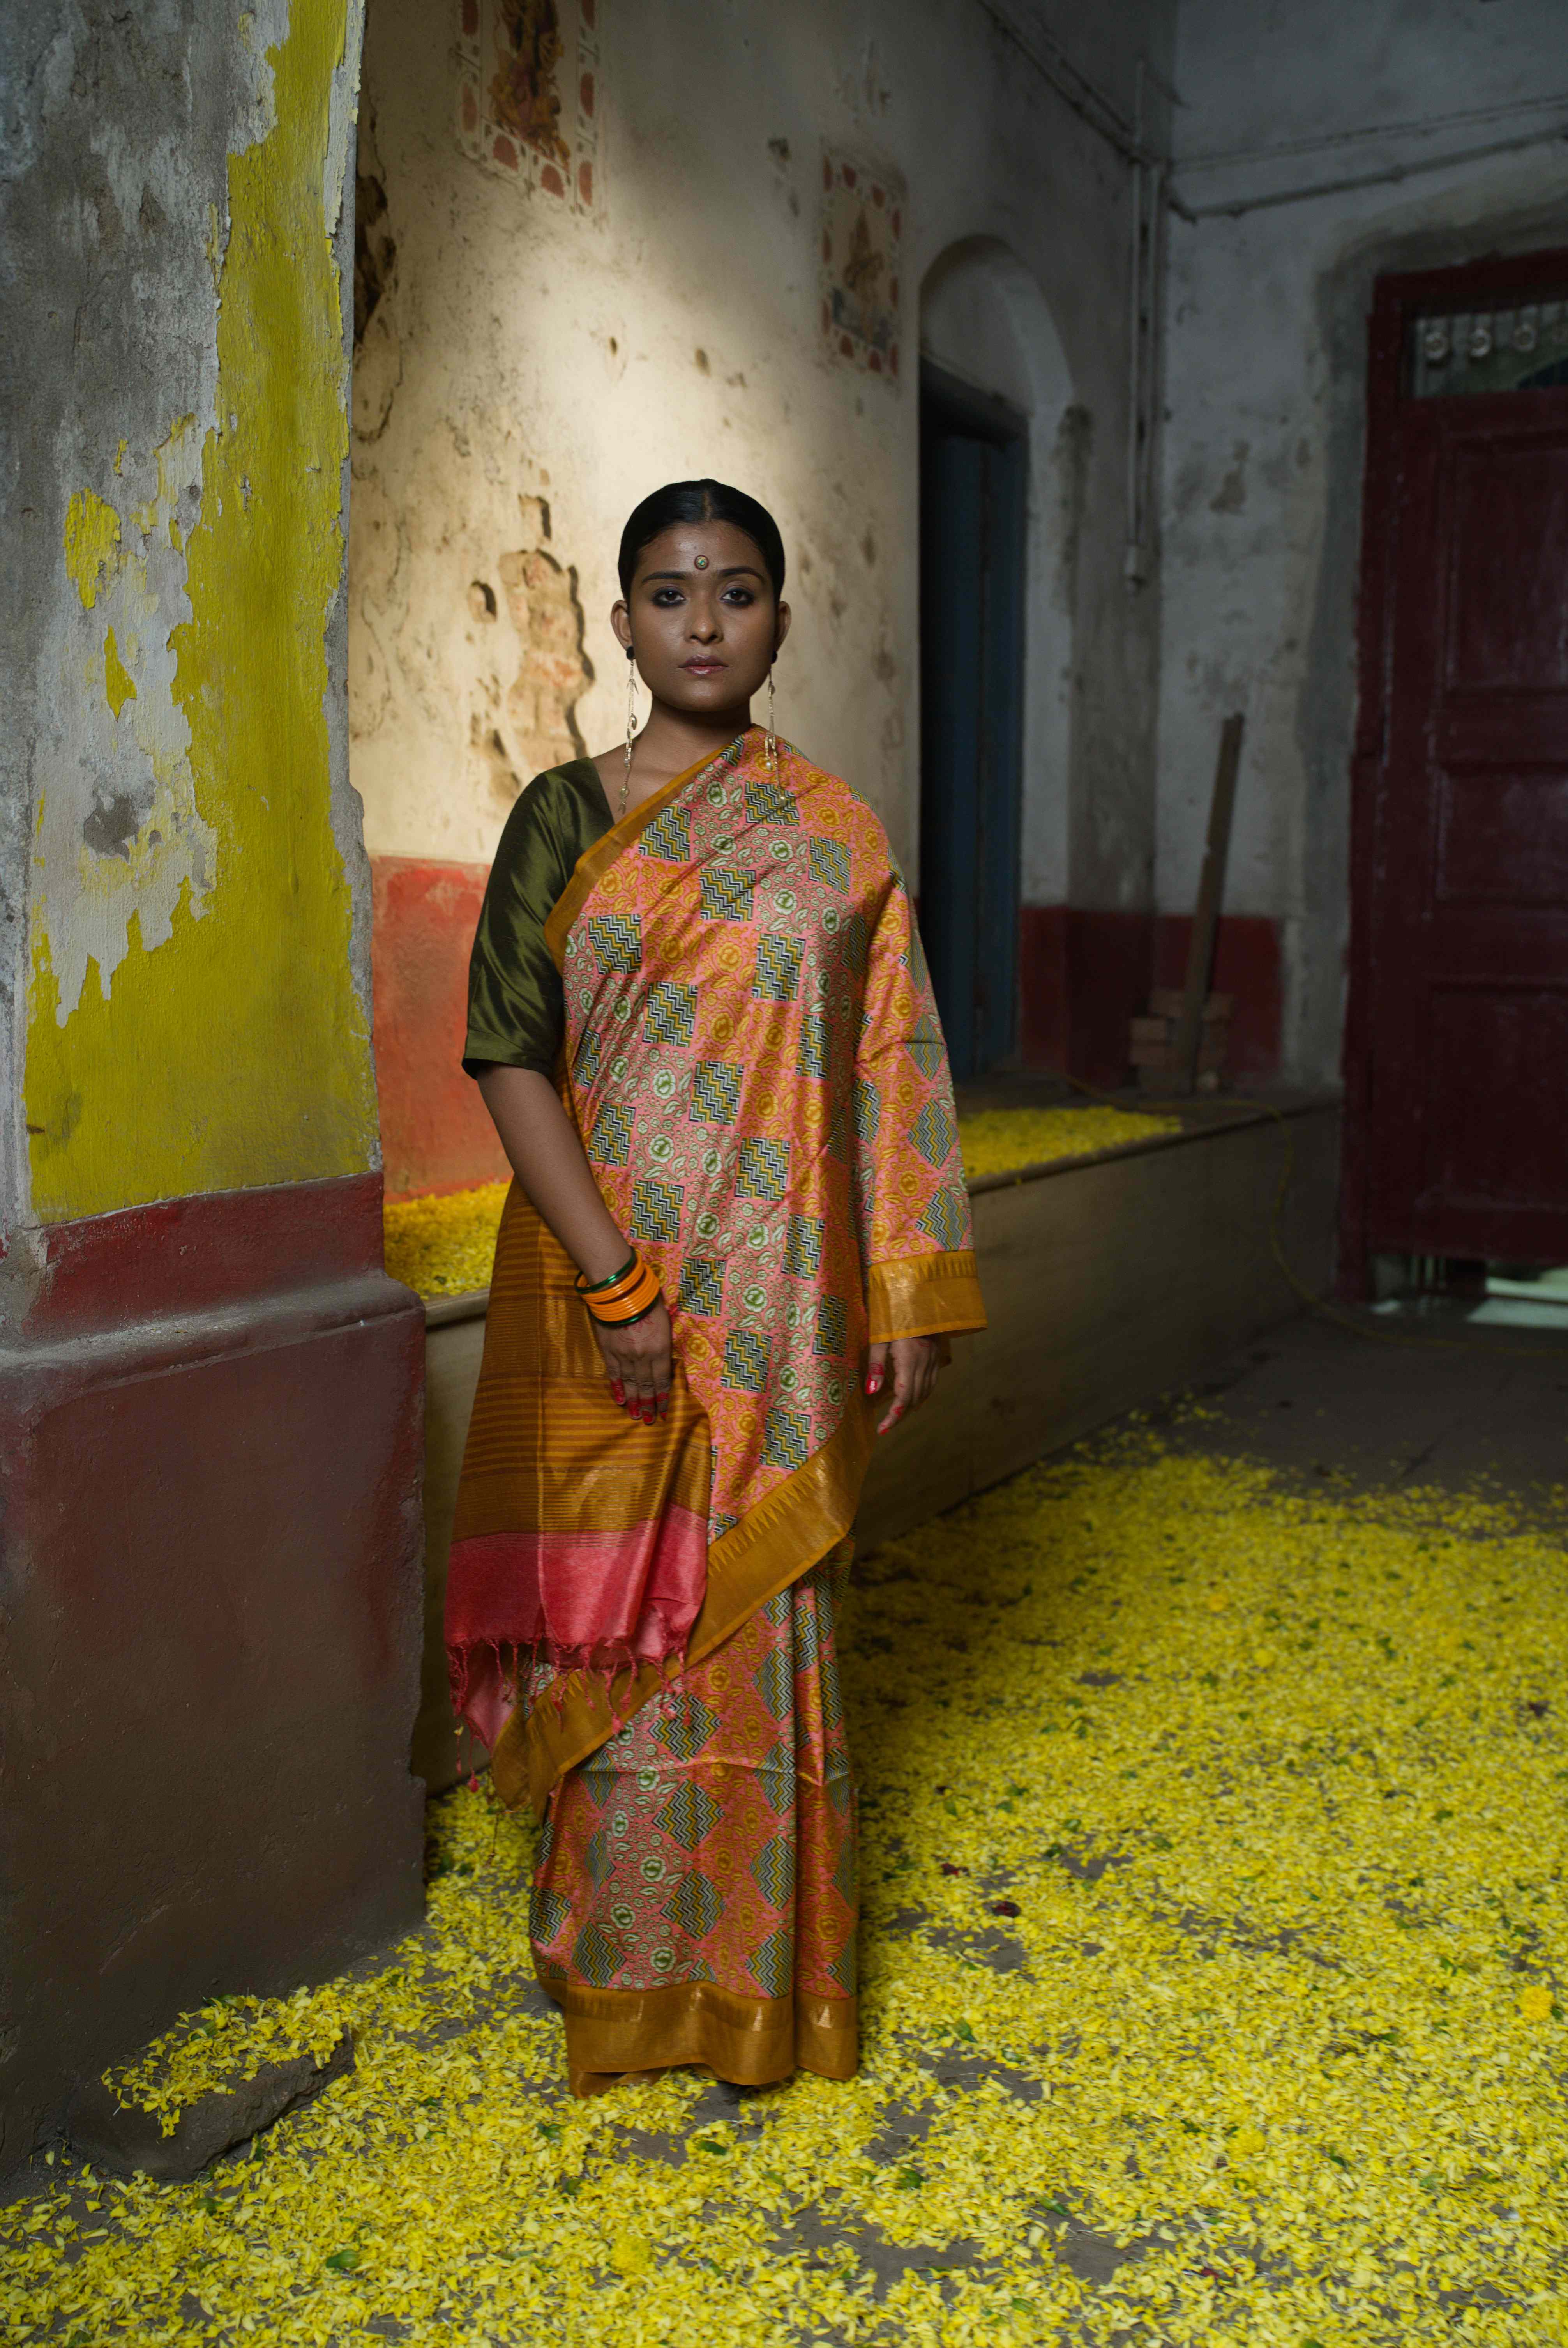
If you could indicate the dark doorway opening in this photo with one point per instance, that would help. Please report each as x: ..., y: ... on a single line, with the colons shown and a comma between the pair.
x: 1456, y: 1113
x: 974, y: 488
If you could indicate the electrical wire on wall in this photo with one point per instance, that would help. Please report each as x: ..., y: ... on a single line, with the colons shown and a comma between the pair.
x: 1149, y: 167
x: 1153, y: 195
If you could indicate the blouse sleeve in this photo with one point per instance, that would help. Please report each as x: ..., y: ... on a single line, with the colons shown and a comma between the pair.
x: 914, y: 1204
x: 517, y: 1009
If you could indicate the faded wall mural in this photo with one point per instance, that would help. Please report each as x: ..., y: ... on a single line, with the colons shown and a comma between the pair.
x: 862, y: 231
x: 527, y: 93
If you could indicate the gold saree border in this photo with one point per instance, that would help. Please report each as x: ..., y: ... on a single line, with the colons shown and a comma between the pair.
x: 790, y: 1529
x: 749, y: 2041
x: 611, y: 845
x: 927, y: 1295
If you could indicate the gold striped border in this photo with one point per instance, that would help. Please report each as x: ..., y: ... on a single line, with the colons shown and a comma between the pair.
x: 924, y: 1295
x: 595, y: 862
x: 750, y: 2040
x: 788, y: 1533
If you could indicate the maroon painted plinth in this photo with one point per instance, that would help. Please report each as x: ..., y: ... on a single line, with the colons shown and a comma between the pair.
x: 187, y: 1255
x: 211, y: 1440
x: 1085, y: 973
x: 1247, y: 967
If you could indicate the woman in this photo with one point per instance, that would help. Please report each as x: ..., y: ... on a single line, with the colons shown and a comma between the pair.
x: 701, y: 1020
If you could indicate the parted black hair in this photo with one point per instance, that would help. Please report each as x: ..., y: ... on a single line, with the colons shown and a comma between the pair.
x: 701, y: 501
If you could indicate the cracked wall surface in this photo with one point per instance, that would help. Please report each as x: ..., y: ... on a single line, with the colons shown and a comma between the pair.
x: 525, y: 353
x: 185, y: 961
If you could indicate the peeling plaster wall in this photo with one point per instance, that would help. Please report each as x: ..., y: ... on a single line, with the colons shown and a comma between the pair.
x: 1266, y: 393
x: 527, y: 372
x: 211, y: 1393
x: 186, y: 924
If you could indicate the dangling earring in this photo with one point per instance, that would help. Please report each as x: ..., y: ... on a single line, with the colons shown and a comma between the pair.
x: 631, y: 723
x: 773, y: 748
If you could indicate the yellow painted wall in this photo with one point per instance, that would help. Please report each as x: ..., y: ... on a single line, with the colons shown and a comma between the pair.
x: 195, y: 1026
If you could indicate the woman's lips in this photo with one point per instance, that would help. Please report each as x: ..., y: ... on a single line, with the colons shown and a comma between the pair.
x: 702, y: 667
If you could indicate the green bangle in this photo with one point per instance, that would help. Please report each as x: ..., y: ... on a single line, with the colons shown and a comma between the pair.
x: 593, y: 1286
x: 636, y: 1317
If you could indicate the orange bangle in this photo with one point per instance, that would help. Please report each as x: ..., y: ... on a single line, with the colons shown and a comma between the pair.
x: 632, y: 1302
x: 606, y: 1292
x: 615, y: 1281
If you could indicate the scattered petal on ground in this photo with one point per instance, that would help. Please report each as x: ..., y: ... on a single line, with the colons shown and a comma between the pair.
x: 1270, y: 2052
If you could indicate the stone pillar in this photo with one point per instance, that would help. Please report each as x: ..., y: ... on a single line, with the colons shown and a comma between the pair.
x: 211, y: 1394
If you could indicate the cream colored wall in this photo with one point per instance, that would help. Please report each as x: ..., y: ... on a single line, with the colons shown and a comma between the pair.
x: 531, y: 373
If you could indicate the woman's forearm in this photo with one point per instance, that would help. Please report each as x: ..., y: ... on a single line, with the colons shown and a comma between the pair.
x: 547, y: 1159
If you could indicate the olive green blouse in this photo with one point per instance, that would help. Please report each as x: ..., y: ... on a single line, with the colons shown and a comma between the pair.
x: 516, y: 1010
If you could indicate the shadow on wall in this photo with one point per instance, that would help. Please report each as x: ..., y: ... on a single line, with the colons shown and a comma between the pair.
x: 1084, y: 970
x: 984, y: 320
x: 1080, y: 973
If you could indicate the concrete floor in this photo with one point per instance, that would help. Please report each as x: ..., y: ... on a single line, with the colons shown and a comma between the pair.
x: 1386, y: 1400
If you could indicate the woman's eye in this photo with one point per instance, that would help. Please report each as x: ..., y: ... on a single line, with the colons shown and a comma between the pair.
x: 666, y: 596
x: 740, y: 596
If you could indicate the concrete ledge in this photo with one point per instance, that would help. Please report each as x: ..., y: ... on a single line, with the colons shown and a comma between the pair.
x: 1108, y: 1280
x: 1111, y: 1282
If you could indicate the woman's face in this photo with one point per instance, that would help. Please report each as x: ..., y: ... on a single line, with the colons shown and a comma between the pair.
x: 702, y: 618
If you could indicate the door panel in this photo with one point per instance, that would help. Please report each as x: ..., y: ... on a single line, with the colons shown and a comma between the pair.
x: 1502, y: 839
x: 952, y: 616
x: 1468, y: 961
x: 1497, y: 1142
x: 973, y: 490
x: 1507, y: 556
x: 996, y: 1005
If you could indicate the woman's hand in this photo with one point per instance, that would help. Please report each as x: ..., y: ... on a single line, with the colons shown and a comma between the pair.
x: 548, y: 1159
x: 637, y: 1362
x: 915, y: 1361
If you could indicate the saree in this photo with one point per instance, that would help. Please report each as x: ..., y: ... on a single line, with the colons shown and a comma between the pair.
x: 750, y: 1052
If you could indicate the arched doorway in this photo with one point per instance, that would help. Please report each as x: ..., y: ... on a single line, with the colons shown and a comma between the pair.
x: 996, y: 637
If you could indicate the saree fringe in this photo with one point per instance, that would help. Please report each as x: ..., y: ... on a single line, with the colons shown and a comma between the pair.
x: 780, y: 1540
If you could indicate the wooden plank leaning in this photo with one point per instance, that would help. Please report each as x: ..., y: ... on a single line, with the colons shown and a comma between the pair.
x: 1206, y: 917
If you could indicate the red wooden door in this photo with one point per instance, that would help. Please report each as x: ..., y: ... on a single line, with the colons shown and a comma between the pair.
x: 1458, y: 1058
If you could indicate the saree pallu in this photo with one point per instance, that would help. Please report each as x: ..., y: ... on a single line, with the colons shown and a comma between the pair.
x: 754, y: 1061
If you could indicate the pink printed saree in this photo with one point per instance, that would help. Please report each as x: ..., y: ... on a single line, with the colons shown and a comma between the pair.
x: 752, y: 1058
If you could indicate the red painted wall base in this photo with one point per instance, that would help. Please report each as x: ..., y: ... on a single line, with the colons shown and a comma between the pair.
x: 435, y: 1132
x: 210, y: 1546
x: 1085, y: 973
